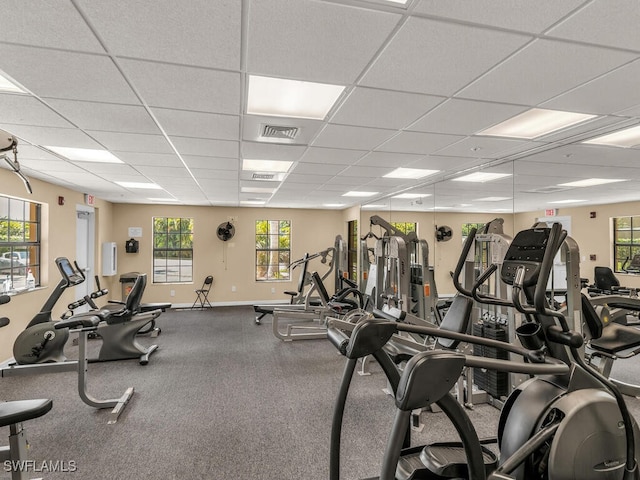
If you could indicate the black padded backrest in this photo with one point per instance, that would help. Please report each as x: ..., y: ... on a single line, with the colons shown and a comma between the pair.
x: 135, y: 295
x: 303, y: 272
x: 591, y: 318
x: 207, y: 283
x: 604, y: 278
x: 456, y: 319
x: 322, y: 291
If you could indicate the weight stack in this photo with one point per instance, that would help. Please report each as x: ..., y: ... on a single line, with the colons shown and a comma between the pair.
x: 494, y: 383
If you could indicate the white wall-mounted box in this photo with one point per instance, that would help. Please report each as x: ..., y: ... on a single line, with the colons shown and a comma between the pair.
x: 109, y: 259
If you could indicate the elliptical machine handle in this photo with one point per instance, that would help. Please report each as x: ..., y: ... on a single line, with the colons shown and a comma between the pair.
x: 488, y: 299
x: 556, y: 238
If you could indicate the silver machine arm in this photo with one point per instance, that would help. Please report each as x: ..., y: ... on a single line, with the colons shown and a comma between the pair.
x: 10, y: 143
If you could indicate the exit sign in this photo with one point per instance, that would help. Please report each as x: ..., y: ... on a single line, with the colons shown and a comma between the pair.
x: 89, y: 199
x: 550, y: 212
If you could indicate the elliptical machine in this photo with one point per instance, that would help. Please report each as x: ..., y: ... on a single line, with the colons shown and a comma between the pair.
x: 568, y: 422
x: 13, y: 414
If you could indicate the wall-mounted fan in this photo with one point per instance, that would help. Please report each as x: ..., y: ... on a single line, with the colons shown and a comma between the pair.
x: 226, y: 231
x: 443, y: 233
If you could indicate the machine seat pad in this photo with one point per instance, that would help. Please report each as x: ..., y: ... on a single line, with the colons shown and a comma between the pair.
x: 22, y: 410
x: 616, y: 338
x: 147, y: 307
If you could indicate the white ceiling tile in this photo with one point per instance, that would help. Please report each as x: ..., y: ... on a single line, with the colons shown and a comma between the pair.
x: 418, y: 143
x: 366, y: 172
x: 464, y: 117
x: 331, y: 155
x: 47, y: 166
x: 383, y: 108
x: 185, y: 88
x: 157, y: 30
x: 132, y: 142
x: 532, y: 17
x: 160, y: 172
x: 323, y: 42
x: 309, y: 179
x: 55, y: 137
x: 28, y: 110
x: 444, y: 163
x: 159, y: 159
x: 270, y: 151
x: 485, y: 147
x: 356, y: 138
x: 317, y: 168
x: 212, y: 173
x: 604, y: 23
x: 170, y: 183
x: 106, y: 116
x: 211, y: 163
x: 103, y: 169
x: 60, y: 74
x: 427, y: 56
x: 605, y: 95
x: 383, y: 159
x: 522, y: 79
x: 205, y: 146
x: 197, y: 124
x: 46, y: 23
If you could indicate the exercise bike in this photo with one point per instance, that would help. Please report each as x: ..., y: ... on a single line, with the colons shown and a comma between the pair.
x: 567, y: 422
x: 40, y: 347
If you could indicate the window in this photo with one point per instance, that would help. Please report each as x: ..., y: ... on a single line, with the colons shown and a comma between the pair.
x: 19, y: 243
x: 405, y: 227
x: 273, y: 249
x: 626, y: 241
x: 466, y: 228
x: 172, y: 250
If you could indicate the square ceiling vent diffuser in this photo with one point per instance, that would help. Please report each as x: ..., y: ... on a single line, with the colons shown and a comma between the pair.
x: 278, y: 131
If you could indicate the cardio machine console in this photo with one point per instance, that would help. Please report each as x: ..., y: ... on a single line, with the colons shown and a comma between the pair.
x: 526, y: 250
x: 68, y: 272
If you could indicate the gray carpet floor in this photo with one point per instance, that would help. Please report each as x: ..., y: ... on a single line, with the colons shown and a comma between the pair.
x: 221, y: 399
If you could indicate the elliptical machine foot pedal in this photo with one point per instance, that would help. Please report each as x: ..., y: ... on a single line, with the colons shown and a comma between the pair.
x: 445, y: 459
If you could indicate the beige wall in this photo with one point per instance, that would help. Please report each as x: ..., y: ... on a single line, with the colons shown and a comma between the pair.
x: 58, y: 240
x: 593, y: 235
x: 231, y: 263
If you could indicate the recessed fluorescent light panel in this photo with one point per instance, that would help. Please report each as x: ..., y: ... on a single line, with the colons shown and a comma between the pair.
x: 359, y: 194
x: 492, y: 199
x: 568, y: 201
x: 412, y: 195
x: 266, y: 166
x: 629, y: 137
x: 141, y: 185
x: 252, y: 202
x: 163, y: 200
x: 86, y: 154
x: 257, y: 190
x: 410, y: 173
x: 280, y: 97
x: 481, y: 177
x: 591, y: 182
x: 536, y: 123
x: 8, y: 86
x: 333, y: 205
x: 374, y: 207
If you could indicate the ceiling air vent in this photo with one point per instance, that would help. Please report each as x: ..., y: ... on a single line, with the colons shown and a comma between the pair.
x: 552, y: 189
x: 275, y: 131
x: 263, y: 176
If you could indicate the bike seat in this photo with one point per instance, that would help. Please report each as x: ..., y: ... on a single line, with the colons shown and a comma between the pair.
x: 21, y: 410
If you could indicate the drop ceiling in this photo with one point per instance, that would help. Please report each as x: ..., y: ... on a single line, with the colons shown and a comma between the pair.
x: 162, y: 84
